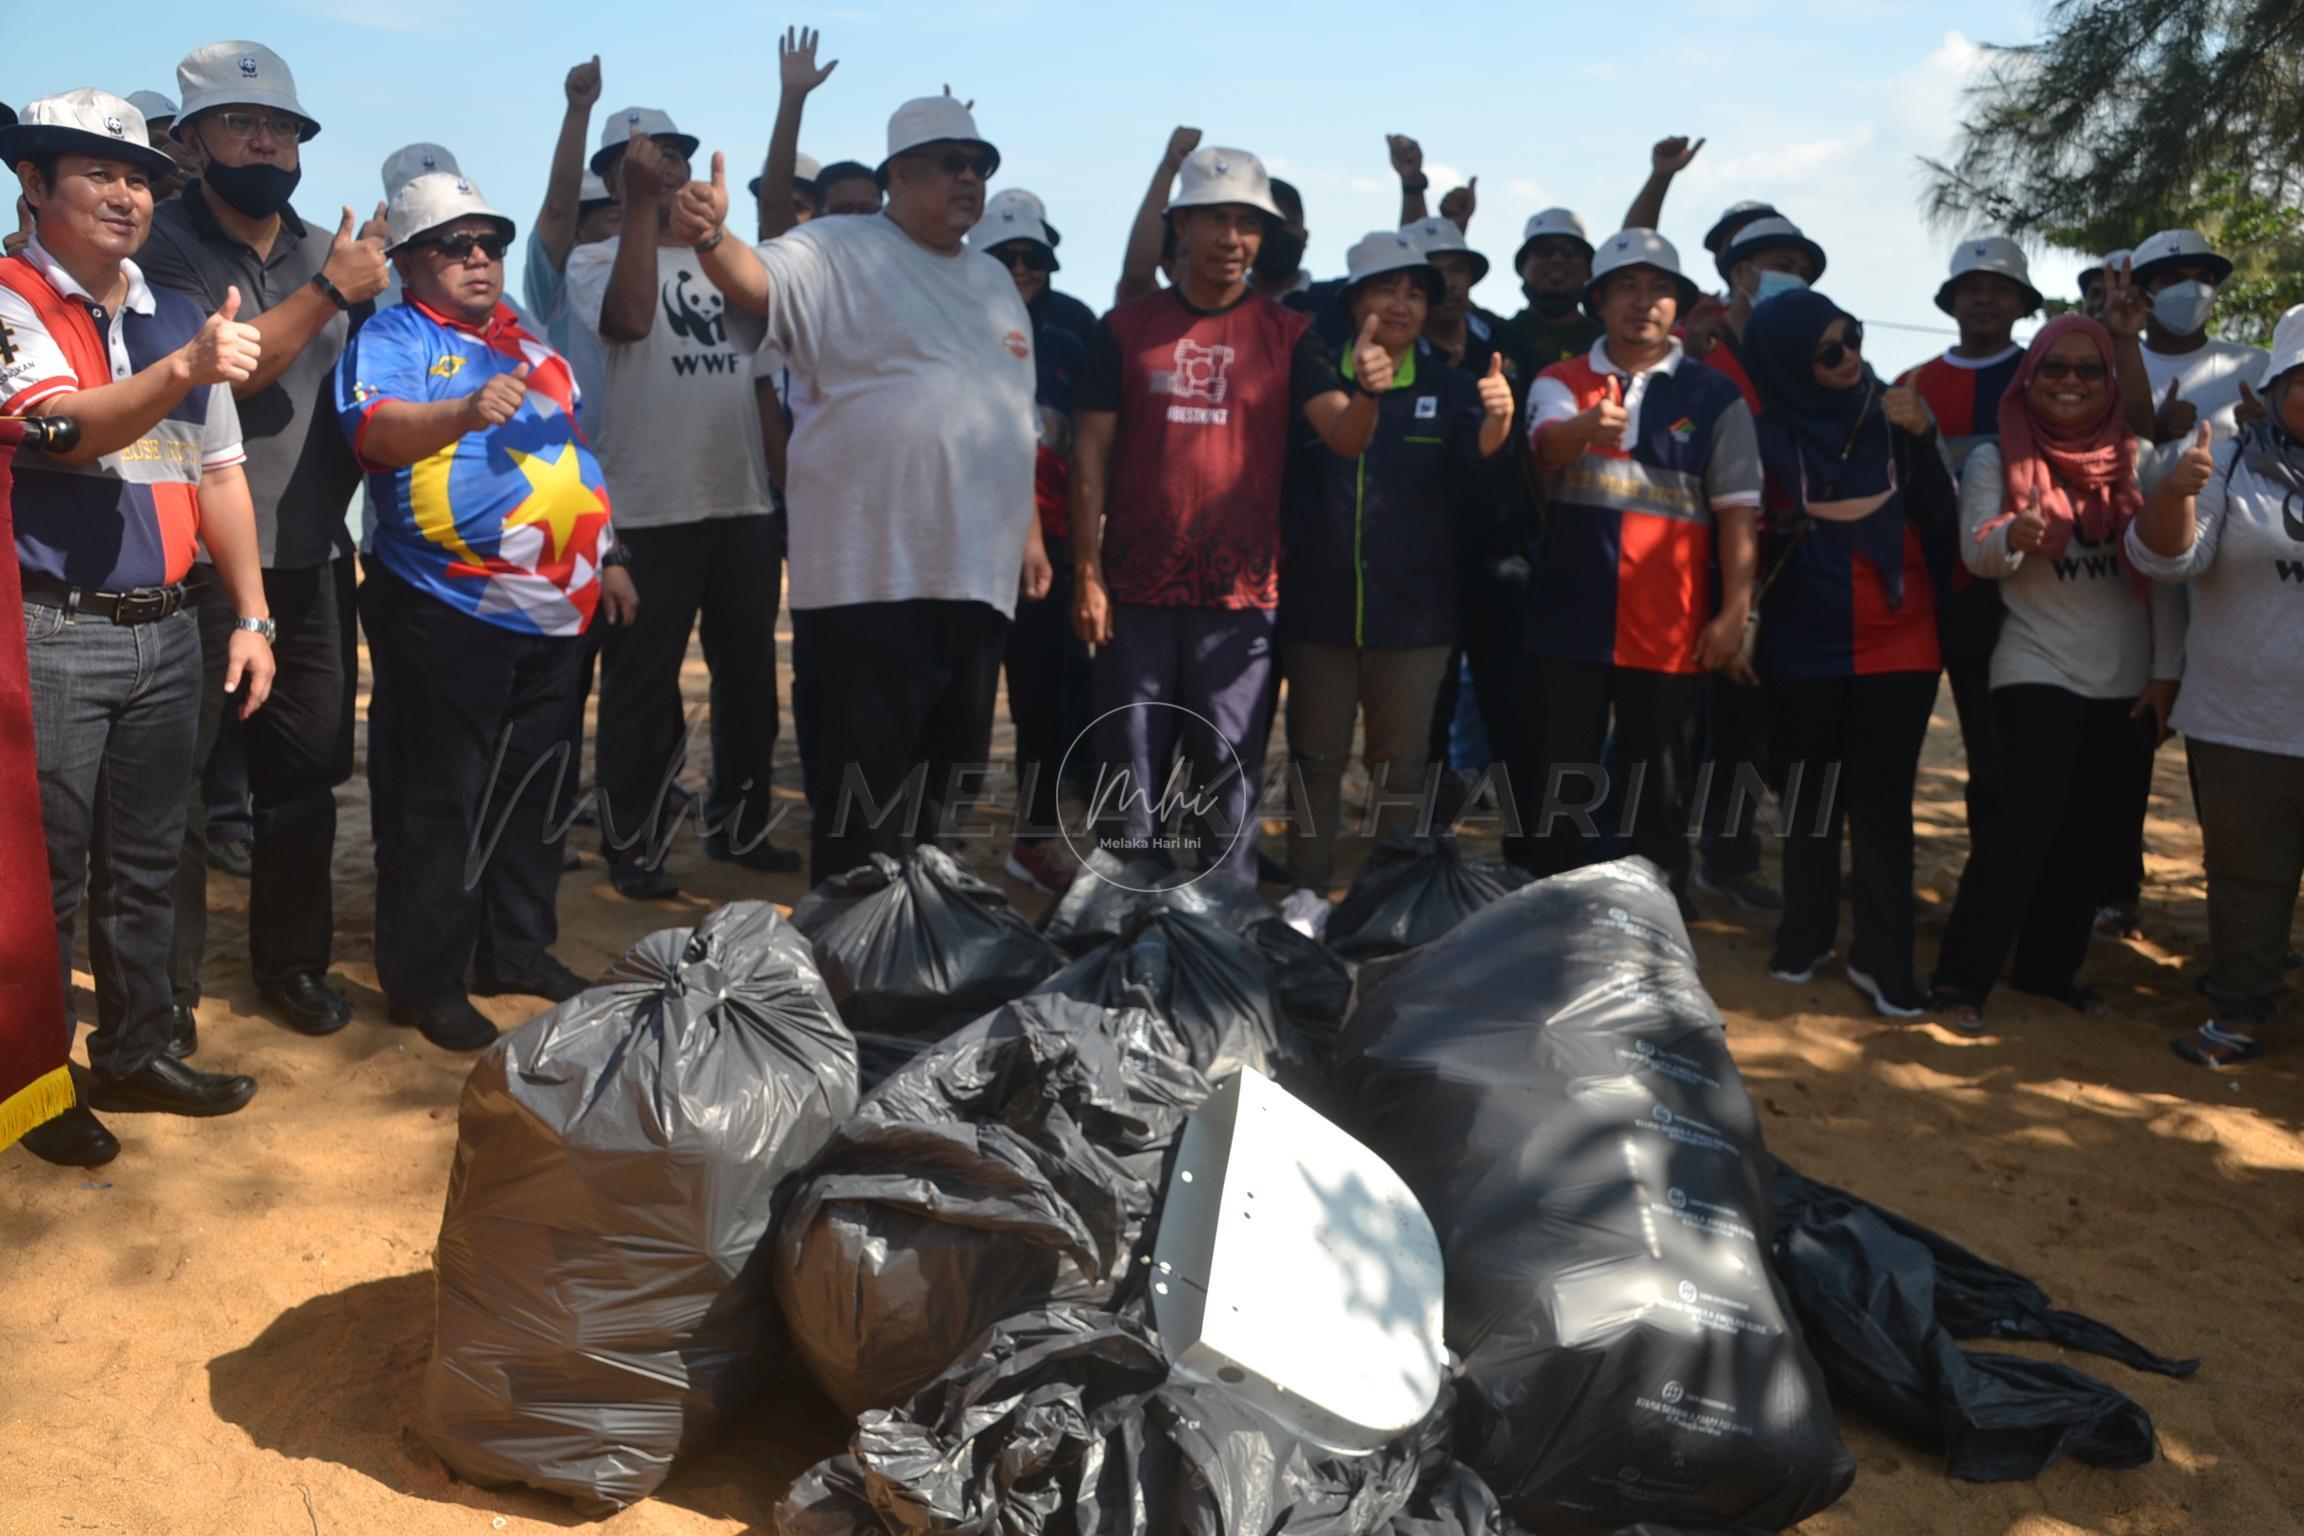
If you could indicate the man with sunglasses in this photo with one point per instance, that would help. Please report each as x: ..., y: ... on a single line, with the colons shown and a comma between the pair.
x: 682, y: 446
x: 910, y: 496
x: 306, y: 291
x: 492, y: 556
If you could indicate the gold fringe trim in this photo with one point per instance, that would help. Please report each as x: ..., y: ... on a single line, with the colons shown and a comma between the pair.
x: 35, y: 1104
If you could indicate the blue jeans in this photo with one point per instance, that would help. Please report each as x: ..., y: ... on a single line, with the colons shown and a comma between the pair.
x: 115, y: 716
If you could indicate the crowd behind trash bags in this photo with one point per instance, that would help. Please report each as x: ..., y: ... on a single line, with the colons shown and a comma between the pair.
x: 668, y: 1197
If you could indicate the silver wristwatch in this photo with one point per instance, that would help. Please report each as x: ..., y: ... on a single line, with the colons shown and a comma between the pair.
x: 265, y: 627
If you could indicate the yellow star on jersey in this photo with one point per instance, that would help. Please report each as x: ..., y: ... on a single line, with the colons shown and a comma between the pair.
x: 558, y: 499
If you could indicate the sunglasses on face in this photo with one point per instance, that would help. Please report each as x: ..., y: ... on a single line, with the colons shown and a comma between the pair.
x: 1833, y: 353
x: 1030, y: 258
x: 2055, y: 370
x: 951, y: 162
x: 459, y: 246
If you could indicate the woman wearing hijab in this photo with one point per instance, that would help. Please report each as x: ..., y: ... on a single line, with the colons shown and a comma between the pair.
x: 2082, y: 675
x: 2232, y: 524
x: 1860, y: 528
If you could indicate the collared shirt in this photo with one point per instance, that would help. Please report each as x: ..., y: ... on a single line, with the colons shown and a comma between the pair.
x: 131, y: 518
x: 300, y: 473
x: 506, y: 524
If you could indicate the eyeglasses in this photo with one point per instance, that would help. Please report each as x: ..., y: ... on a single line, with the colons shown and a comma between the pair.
x: 244, y: 126
x: 1833, y: 353
x: 951, y: 162
x: 459, y: 246
x: 2055, y: 370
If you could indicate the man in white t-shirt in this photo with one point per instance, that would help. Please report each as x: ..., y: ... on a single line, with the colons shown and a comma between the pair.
x: 679, y: 440
x: 2180, y: 273
x: 910, y: 475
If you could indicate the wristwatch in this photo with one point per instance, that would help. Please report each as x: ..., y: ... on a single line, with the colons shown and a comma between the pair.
x: 265, y: 627
x: 617, y: 557
x: 334, y: 293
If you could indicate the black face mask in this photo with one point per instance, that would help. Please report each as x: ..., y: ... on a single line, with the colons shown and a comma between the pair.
x: 1280, y: 255
x: 257, y: 191
x: 1551, y: 305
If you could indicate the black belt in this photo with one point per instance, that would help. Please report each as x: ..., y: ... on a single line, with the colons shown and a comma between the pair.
x: 142, y: 605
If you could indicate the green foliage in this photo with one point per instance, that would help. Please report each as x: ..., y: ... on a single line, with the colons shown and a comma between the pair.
x: 2131, y: 116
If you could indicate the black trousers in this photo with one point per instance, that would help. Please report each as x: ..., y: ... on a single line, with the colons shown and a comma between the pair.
x: 1569, y: 706
x: 299, y: 748
x: 2069, y: 802
x: 904, y: 694
x: 1734, y: 744
x: 1049, y: 692
x: 1848, y: 755
x: 728, y: 573
x: 468, y: 761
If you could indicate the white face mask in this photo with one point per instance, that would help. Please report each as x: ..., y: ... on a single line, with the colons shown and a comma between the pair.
x: 1769, y: 284
x: 2183, y: 308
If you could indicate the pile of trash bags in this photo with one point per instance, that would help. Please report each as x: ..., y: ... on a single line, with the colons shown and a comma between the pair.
x: 621, y: 1160
x: 663, y: 1183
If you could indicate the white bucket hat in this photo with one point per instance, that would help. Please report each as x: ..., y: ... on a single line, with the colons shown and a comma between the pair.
x: 1768, y: 233
x: 926, y: 120
x: 1385, y: 251
x: 158, y: 110
x: 805, y: 170
x: 404, y: 165
x: 1436, y: 234
x: 1562, y: 222
x: 1733, y: 218
x: 1637, y: 248
x: 591, y: 189
x: 88, y: 122
x: 2287, y: 347
x: 433, y: 199
x: 236, y: 74
x: 1215, y: 176
x: 1014, y: 221
x: 2111, y: 259
x: 2175, y: 248
x: 1996, y: 254
x: 1024, y: 202
x: 617, y: 133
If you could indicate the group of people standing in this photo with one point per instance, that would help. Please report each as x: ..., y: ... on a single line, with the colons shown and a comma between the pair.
x: 1620, y: 557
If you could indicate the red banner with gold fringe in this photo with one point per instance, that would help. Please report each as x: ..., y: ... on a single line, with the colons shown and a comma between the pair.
x: 34, y: 1087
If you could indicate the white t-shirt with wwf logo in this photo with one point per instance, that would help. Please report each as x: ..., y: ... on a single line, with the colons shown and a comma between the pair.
x: 680, y: 429
x: 914, y: 430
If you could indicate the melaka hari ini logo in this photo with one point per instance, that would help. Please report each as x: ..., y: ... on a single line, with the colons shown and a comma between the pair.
x: 1116, y: 794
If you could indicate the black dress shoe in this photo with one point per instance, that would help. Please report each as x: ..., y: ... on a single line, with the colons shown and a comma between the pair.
x: 74, y: 1139
x: 456, y: 1026
x: 762, y: 856
x: 550, y: 980
x: 312, y: 1006
x: 183, y: 1032
x: 635, y: 881
x: 167, y: 1086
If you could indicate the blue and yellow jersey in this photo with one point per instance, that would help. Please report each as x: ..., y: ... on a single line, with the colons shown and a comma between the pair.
x: 507, y: 525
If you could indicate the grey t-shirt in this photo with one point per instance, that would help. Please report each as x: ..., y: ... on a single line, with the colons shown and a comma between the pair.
x: 301, y: 474
x: 2244, y: 653
x: 2074, y: 623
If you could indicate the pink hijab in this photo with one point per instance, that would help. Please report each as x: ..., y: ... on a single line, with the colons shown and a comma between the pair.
x: 2084, y: 476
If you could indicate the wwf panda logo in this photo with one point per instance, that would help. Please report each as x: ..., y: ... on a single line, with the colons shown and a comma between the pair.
x: 430, y: 163
x: 696, y: 311
x: 112, y: 126
x: 248, y: 65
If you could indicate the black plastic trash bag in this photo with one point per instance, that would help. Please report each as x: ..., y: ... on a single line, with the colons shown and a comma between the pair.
x: 1211, y: 986
x: 1551, y: 1080
x: 1882, y: 1300
x: 914, y: 950
x: 1010, y: 1166
x: 1413, y: 890
x: 1063, y: 1422
x: 603, y: 1276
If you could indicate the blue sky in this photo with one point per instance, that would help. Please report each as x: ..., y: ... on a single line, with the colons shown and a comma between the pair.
x: 1821, y: 108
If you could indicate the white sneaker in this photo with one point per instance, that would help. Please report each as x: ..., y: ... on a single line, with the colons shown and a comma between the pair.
x: 1887, y: 1006
x: 1798, y: 978
x: 1307, y: 913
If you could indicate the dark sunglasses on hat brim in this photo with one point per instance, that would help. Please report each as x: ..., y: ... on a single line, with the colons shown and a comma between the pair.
x: 1833, y: 353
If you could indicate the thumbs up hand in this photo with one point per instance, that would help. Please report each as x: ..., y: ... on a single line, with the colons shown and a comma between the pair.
x: 646, y: 168
x: 2190, y: 475
x: 355, y: 264
x: 701, y: 207
x: 1495, y: 389
x: 225, y: 351
x: 1371, y: 363
x: 2251, y: 407
x: 497, y: 401
x: 1905, y: 408
x: 2175, y: 418
x: 1603, y: 423
x: 2029, y: 530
